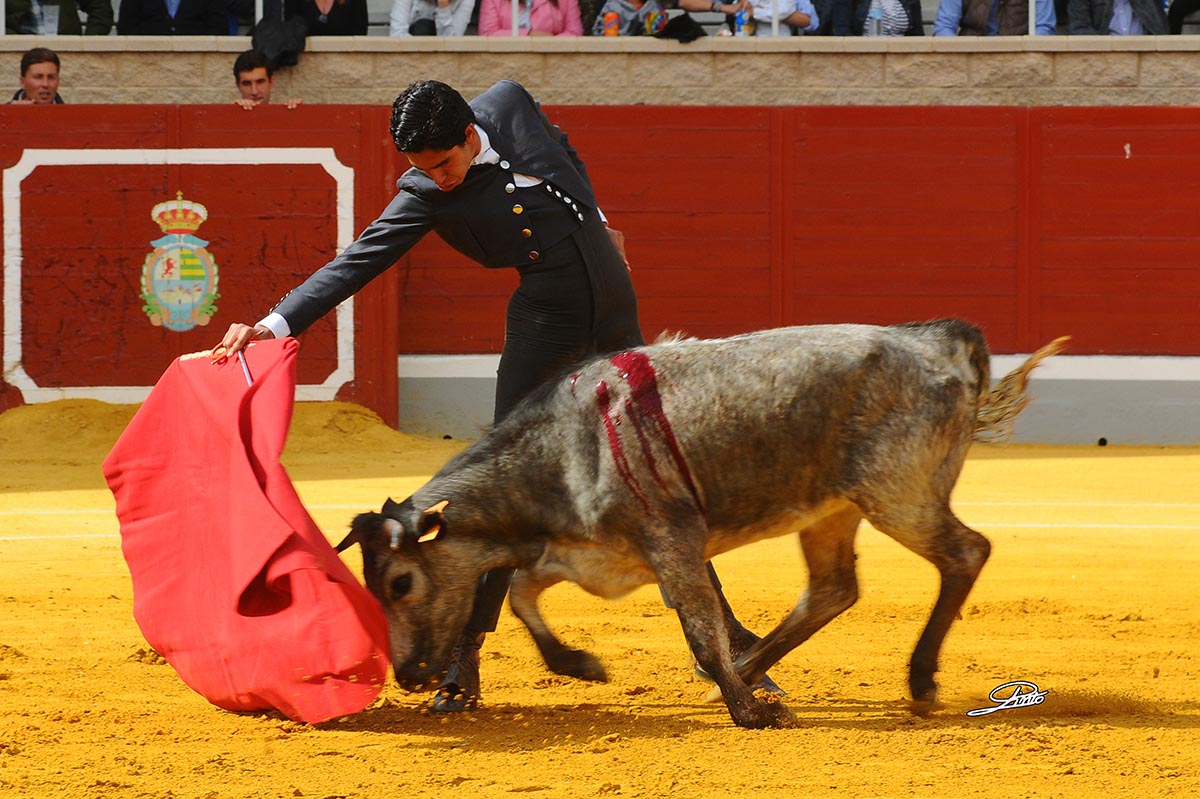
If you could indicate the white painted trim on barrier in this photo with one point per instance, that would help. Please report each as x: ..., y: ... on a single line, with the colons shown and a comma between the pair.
x: 13, y: 367
x: 1149, y: 368
x: 1060, y: 367
x: 448, y: 366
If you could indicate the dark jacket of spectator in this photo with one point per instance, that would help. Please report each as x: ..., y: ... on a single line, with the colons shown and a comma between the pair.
x: 20, y: 95
x: 1092, y: 17
x: 344, y: 18
x: 194, y: 18
x: 1012, y: 18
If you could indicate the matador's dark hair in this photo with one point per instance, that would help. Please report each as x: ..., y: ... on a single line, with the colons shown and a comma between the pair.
x: 430, y: 115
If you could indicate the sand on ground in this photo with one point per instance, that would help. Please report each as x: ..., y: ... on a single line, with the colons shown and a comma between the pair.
x: 1090, y: 593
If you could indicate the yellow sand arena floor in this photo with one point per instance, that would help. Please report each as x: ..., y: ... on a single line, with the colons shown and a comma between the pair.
x: 1092, y: 593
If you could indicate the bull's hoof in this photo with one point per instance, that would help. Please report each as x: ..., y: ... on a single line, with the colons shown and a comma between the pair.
x: 924, y: 709
x: 768, y: 714
x: 924, y: 690
x: 578, y: 664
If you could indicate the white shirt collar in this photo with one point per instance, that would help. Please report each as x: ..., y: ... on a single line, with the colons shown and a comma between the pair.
x: 486, y: 154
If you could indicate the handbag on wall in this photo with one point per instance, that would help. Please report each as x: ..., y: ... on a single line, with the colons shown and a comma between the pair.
x: 281, y: 40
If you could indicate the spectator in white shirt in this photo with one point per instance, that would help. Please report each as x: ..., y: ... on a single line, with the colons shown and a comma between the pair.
x: 430, y: 17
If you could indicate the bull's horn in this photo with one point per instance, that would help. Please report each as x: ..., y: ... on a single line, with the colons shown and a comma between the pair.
x: 395, y: 532
x: 350, y: 540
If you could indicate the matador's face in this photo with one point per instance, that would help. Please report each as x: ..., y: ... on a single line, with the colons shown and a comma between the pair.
x: 448, y: 168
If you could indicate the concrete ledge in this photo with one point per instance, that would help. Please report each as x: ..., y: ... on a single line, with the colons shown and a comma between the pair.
x: 923, y: 70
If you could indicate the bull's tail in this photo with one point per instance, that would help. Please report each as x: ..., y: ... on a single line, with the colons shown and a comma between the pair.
x: 998, y: 410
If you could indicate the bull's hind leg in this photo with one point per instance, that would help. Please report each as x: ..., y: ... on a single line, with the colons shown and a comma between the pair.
x: 959, y: 553
x: 828, y: 547
x: 561, y: 659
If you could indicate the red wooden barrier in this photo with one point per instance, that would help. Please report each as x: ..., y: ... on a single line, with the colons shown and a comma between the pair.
x: 1032, y: 223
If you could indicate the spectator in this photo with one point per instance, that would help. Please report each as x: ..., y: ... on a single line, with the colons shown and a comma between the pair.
x: 39, y: 78
x: 728, y: 9
x: 1116, y: 17
x: 255, y: 79
x: 537, y: 18
x: 430, y: 17
x: 24, y: 16
x: 900, y: 18
x: 634, y: 17
x: 173, y: 18
x: 795, y: 16
x: 99, y: 17
x: 992, y: 18
x: 241, y: 15
x: 1178, y: 12
x: 760, y: 12
x: 330, y: 17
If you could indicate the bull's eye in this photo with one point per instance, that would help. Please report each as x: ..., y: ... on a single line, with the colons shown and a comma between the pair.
x: 401, y: 586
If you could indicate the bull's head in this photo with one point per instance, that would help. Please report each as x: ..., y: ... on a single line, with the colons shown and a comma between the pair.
x: 424, y: 576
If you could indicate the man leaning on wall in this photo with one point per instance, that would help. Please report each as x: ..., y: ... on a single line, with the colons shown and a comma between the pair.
x: 254, y: 77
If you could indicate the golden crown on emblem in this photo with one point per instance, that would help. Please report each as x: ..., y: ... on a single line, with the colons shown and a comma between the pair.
x: 179, y: 215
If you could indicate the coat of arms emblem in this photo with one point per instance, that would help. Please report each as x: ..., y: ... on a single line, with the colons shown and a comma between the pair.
x: 179, y: 279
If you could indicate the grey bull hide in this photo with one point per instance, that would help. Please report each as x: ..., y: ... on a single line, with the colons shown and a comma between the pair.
x: 639, y: 467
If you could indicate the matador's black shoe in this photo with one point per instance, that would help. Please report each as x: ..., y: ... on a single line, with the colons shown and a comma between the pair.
x: 459, y: 690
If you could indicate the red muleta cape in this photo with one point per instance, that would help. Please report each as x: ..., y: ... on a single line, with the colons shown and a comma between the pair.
x: 233, y: 583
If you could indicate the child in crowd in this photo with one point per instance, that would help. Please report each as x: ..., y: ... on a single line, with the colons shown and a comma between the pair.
x: 798, y: 14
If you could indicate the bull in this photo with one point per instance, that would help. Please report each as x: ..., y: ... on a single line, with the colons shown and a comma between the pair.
x: 639, y: 467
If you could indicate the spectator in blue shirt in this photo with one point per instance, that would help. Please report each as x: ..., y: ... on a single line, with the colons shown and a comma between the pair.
x: 992, y: 18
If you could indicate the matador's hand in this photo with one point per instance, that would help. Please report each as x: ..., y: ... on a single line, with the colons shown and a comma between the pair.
x: 618, y: 240
x: 236, y: 339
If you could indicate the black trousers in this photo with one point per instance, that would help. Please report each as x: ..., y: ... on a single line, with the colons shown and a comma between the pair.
x: 577, y: 303
x: 1178, y: 12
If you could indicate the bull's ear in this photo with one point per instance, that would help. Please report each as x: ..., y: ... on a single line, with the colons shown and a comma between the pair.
x: 431, y: 522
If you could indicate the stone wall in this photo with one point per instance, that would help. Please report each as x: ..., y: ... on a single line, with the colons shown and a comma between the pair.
x: 1019, y: 70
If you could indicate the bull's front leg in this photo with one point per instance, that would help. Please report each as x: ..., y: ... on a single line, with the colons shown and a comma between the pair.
x: 527, y: 586
x: 685, y: 581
